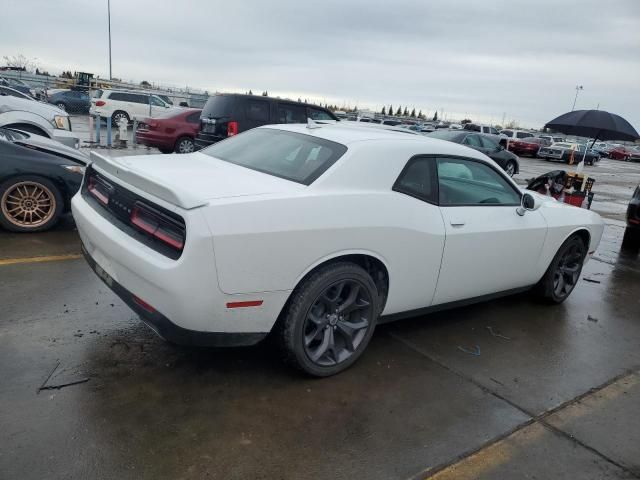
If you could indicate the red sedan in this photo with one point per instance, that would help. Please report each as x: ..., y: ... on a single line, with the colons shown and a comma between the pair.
x: 527, y: 146
x: 620, y: 153
x: 172, y: 133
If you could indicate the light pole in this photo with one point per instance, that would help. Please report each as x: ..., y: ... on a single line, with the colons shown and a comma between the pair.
x: 578, y: 88
x: 109, y: 17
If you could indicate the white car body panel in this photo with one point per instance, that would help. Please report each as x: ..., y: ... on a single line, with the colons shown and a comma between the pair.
x: 14, y: 110
x: 255, y: 236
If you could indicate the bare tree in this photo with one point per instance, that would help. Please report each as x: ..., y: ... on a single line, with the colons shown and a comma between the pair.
x: 20, y: 61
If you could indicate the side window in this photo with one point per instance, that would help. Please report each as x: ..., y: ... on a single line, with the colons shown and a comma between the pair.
x: 156, y: 102
x: 493, y: 131
x: 258, y: 110
x: 472, y: 141
x: 522, y: 135
x: 289, y: 113
x: 508, y: 133
x: 194, y: 118
x: 120, y: 97
x: 144, y: 99
x: 316, y: 114
x: 488, y: 143
x: 467, y: 182
x: 419, y: 179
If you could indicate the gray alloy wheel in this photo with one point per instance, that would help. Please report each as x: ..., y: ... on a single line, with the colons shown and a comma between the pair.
x: 185, y: 145
x: 511, y: 168
x: 337, y: 322
x: 329, y: 319
x: 61, y: 106
x: 564, y: 272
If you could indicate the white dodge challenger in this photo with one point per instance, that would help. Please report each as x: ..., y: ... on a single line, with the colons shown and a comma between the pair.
x: 316, y: 233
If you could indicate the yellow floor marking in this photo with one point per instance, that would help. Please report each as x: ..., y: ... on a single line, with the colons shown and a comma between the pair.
x: 50, y: 258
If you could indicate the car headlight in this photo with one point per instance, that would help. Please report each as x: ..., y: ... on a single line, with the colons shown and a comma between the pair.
x: 74, y: 168
x: 62, y: 122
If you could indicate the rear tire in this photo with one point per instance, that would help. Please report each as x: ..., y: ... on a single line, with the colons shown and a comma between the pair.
x: 185, y: 145
x: 564, y: 271
x: 329, y: 319
x: 511, y: 168
x: 631, y: 239
x: 61, y: 106
x: 117, y: 116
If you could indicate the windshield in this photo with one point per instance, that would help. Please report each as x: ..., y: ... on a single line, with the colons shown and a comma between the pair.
x: 11, y: 135
x: 293, y: 156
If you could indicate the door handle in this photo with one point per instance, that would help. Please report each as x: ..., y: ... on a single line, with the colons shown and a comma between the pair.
x: 457, y: 222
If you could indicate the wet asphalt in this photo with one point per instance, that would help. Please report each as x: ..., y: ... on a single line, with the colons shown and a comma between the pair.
x: 505, y: 389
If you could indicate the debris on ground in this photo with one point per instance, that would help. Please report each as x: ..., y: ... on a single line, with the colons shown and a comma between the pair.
x: 48, y: 376
x: 592, y: 319
x: 475, y: 352
x: 590, y: 280
x: 62, y: 385
x: 497, y: 334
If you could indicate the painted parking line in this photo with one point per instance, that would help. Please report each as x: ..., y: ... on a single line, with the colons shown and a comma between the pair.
x: 50, y: 258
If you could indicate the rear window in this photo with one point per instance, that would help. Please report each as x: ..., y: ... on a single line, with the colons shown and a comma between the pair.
x: 218, y: 106
x: 292, y: 156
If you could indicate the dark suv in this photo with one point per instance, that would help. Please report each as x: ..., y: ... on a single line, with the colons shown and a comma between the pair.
x: 631, y: 239
x: 225, y: 115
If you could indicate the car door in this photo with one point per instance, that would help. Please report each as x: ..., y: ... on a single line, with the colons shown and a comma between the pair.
x: 489, y: 247
x: 422, y: 248
x: 494, y: 151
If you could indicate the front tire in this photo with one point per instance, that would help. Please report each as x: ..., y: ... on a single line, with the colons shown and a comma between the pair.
x: 119, y: 115
x: 564, y: 271
x: 29, y: 203
x: 61, y: 106
x: 329, y: 320
x: 511, y: 168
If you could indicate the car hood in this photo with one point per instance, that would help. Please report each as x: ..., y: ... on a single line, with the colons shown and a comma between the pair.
x: 191, y: 180
x: 54, y: 147
x: 45, y: 110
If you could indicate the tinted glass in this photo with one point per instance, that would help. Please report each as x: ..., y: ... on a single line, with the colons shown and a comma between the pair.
x: 293, y: 156
x: 522, y: 134
x: 508, y: 133
x: 316, y: 114
x: 493, y: 131
x: 156, y: 102
x: 291, y: 113
x: 447, y: 135
x: 11, y: 135
x: 258, y: 110
x: 193, y: 118
x: 12, y: 93
x: 465, y: 182
x: 419, y: 179
x: 472, y: 141
x: 218, y: 106
x: 118, y: 96
x: 488, y: 143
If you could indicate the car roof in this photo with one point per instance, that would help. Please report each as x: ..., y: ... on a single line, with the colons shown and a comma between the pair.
x: 350, y: 134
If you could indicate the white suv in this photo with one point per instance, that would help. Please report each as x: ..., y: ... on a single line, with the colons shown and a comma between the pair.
x: 126, y: 104
x: 516, y: 134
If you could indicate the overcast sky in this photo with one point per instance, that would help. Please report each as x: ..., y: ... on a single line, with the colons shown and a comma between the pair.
x: 483, y: 59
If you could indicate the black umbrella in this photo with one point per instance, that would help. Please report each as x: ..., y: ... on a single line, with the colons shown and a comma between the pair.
x: 598, y: 124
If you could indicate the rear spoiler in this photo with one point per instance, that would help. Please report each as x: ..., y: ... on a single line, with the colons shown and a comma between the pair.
x: 120, y: 169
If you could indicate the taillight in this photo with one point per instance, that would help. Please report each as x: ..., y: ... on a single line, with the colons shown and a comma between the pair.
x: 99, y: 190
x: 100, y: 103
x: 232, y: 129
x: 158, y: 225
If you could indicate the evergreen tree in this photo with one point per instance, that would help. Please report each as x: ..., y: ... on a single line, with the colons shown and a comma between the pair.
x: 399, y: 112
x: 250, y: 92
x: 435, y: 116
x: 390, y: 110
x: 384, y: 111
x: 265, y: 94
x: 413, y: 113
x: 406, y: 112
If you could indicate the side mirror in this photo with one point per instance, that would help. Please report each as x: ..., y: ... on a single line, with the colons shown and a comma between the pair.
x: 529, y: 203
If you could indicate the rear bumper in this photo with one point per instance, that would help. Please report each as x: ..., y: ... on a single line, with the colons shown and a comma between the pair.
x: 205, y: 139
x: 184, y: 294
x: 164, y: 327
x: 151, y: 139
